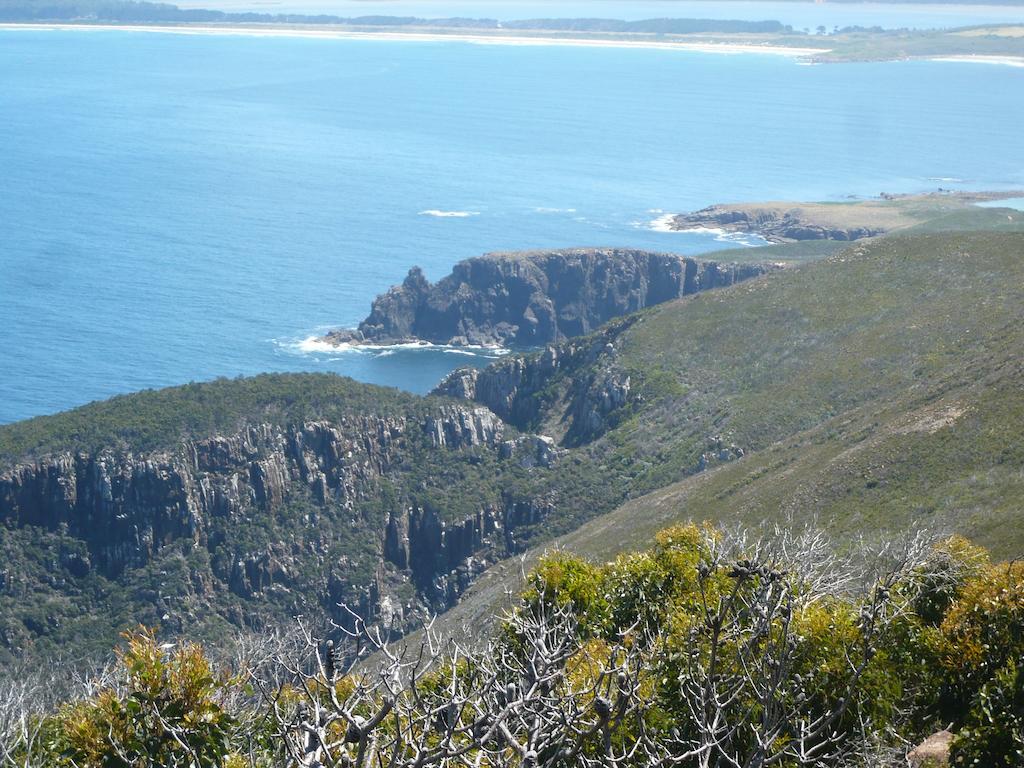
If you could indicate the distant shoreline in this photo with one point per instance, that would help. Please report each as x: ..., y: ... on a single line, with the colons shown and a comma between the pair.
x: 1007, y: 61
x: 931, y: 46
x: 328, y: 33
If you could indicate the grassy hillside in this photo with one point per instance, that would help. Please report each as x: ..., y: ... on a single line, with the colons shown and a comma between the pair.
x: 879, y: 389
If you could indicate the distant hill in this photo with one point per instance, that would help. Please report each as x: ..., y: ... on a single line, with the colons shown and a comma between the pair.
x: 127, y: 11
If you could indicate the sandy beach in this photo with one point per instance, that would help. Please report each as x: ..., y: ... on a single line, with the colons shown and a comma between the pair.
x: 1006, y: 61
x: 329, y: 33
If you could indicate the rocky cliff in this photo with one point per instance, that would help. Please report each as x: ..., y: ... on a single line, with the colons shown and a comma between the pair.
x: 300, y: 517
x: 128, y: 506
x: 531, y: 299
x: 577, y: 388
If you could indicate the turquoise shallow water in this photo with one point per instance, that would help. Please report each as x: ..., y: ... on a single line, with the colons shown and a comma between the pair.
x: 176, y: 208
x: 1008, y: 202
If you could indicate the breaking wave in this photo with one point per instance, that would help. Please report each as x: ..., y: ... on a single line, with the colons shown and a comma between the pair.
x: 746, y: 239
x: 316, y: 345
x: 449, y: 214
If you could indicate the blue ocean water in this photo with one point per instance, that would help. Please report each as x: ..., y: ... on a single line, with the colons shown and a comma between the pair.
x: 176, y: 208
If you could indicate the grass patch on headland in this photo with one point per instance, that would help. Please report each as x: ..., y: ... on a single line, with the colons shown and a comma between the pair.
x: 785, y: 253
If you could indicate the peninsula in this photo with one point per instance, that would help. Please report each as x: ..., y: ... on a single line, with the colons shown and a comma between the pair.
x: 788, y: 222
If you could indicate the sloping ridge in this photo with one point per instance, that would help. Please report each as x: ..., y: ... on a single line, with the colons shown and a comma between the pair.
x: 879, y: 391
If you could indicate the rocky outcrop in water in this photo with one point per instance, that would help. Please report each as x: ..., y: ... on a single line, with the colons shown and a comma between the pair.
x: 531, y: 299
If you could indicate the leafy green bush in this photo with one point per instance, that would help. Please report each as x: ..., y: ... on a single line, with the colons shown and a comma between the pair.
x: 168, y: 712
x: 982, y: 631
x: 993, y: 735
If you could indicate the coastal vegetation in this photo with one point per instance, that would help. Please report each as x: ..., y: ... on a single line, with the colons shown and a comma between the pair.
x: 161, y: 419
x: 706, y: 649
x: 128, y: 11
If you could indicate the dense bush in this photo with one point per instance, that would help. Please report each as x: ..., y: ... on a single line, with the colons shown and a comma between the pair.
x: 705, y: 650
x: 983, y: 651
x: 165, y: 707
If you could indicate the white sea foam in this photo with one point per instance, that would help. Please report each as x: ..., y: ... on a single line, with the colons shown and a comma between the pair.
x: 449, y: 214
x: 746, y: 239
x: 663, y: 223
x: 319, y: 345
x: 542, y: 209
x: 950, y: 179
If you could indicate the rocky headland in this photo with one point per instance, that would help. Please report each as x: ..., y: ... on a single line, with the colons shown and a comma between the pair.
x: 789, y: 222
x: 774, y: 223
x: 535, y: 298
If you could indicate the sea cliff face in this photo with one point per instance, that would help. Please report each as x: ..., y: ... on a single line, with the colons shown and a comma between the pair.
x: 307, y: 516
x: 128, y: 506
x: 532, y: 299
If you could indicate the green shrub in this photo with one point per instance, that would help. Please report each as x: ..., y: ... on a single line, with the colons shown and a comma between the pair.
x: 993, y: 736
x: 941, y: 579
x: 167, y: 713
x: 982, y: 631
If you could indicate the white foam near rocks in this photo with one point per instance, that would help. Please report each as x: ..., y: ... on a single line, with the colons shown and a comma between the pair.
x: 313, y: 344
x: 665, y: 224
x: 320, y: 345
